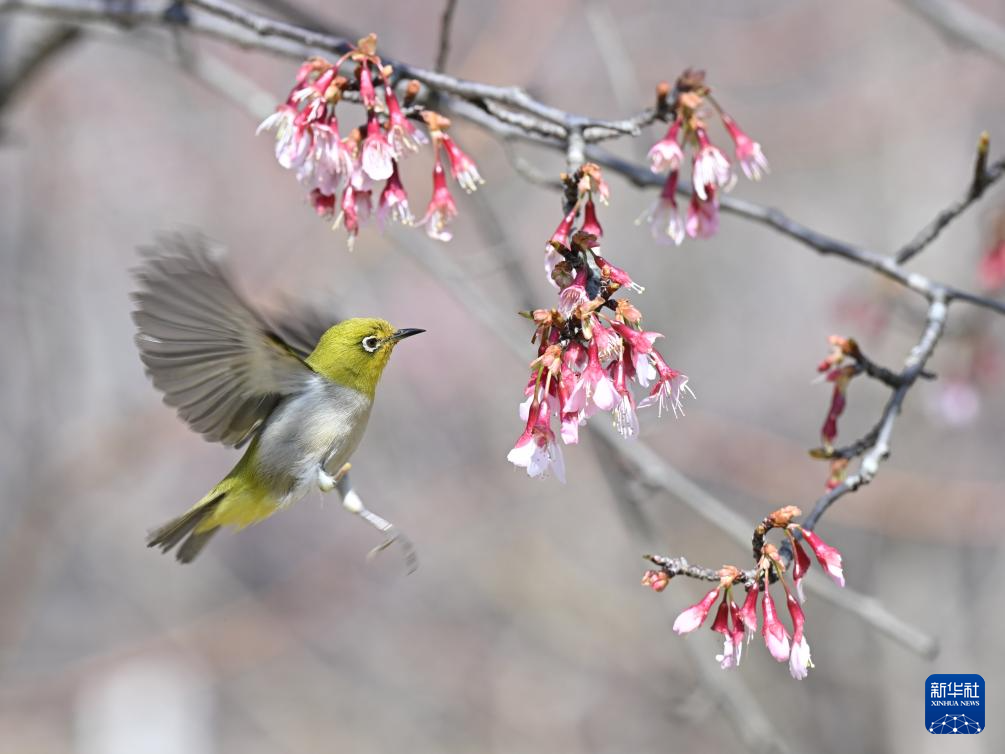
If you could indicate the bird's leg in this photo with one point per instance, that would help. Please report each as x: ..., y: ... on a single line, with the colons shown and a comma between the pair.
x: 326, y: 481
x: 352, y: 503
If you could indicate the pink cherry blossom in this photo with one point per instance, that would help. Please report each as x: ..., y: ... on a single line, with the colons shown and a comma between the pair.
x: 695, y: 615
x: 573, y: 295
x: 591, y: 224
x: 617, y: 275
x: 748, y: 613
x: 441, y: 210
x: 748, y: 152
x: 800, y: 566
x: 663, y: 217
x: 537, y: 449
x: 669, y: 388
x: 377, y: 157
x: 703, y: 215
x: 394, y: 201
x: 829, y: 557
x: 799, y: 656
x: 597, y: 385
x: 401, y: 134
x: 462, y: 167
x: 776, y: 637
x: 666, y: 154
x: 710, y: 169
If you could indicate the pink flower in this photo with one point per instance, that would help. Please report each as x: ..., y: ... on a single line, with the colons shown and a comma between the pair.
x: 537, y: 450
x: 617, y: 275
x: 703, y: 216
x: 640, y: 341
x: 598, y: 386
x: 829, y: 557
x: 748, y: 613
x: 737, y: 630
x: 840, y: 378
x: 695, y: 615
x: 293, y: 137
x: 608, y: 343
x: 560, y: 236
x: 366, y: 90
x: 668, y: 390
x: 573, y: 295
x: 562, y: 232
x: 314, y: 91
x: 776, y: 637
x: 590, y: 223
x: 732, y: 644
x: 462, y: 168
x: 748, y: 152
x: 441, y: 208
x: 711, y: 168
x: 401, y: 134
x: 324, y: 204
x: 329, y: 163
x: 355, y: 211
x: 377, y: 157
x: 626, y: 419
x: 394, y: 201
x: 663, y: 217
x: 800, y: 567
x: 666, y: 154
x: 799, y: 656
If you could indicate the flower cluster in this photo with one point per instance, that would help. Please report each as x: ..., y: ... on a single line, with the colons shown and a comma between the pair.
x: 733, y: 621
x: 591, y: 345
x: 308, y: 141
x: 711, y: 171
x: 838, y: 368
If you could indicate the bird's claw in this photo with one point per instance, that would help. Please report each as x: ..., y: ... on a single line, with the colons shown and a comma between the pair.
x: 411, y: 560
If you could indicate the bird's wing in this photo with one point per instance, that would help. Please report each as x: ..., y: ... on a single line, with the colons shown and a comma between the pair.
x: 301, y: 324
x: 216, y: 361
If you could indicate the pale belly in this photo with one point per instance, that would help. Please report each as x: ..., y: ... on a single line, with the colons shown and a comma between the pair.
x: 322, y: 426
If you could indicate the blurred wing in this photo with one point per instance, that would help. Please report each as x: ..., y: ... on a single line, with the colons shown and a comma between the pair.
x: 301, y: 325
x: 215, y: 360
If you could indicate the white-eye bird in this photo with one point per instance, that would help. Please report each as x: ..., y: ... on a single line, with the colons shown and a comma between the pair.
x: 300, y: 395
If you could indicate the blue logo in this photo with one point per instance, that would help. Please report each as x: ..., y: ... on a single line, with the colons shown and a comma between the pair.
x: 954, y: 703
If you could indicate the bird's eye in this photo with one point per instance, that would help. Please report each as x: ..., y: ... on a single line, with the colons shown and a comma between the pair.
x: 370, y: 343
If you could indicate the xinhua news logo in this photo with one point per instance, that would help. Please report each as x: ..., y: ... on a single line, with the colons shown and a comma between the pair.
x: 954, y: 703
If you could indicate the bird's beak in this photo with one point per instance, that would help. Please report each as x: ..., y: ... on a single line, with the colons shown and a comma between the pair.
x: 406, y: 332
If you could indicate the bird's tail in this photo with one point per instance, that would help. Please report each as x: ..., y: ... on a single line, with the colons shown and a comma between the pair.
x: 190, y: 527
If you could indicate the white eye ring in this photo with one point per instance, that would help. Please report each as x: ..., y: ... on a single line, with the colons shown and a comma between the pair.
x: 370, y: 343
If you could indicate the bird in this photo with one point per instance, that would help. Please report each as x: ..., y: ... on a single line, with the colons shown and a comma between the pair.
x: 297, y: 394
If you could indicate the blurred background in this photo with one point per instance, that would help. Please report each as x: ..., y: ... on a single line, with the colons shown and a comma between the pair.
x: 525, y: 628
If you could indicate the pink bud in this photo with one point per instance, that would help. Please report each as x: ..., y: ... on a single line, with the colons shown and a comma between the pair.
x: 590, y: 223
x: 829, y: 557
x: 695, y: 615
x: 776, y: 637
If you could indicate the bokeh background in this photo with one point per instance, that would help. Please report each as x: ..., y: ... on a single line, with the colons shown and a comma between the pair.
x: 525, y: 628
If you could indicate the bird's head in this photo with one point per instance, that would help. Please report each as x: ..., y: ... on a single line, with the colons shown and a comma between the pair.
x: 355, y: 351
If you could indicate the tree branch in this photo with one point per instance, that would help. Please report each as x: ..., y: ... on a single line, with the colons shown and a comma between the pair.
x: 444, y: 46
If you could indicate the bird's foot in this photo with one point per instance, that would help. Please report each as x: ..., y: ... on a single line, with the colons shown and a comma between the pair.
x: 352, y: 503
x: 327, y: 482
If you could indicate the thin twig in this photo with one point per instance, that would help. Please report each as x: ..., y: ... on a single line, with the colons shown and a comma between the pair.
x: 983, y: 177
x: 444, y: 47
